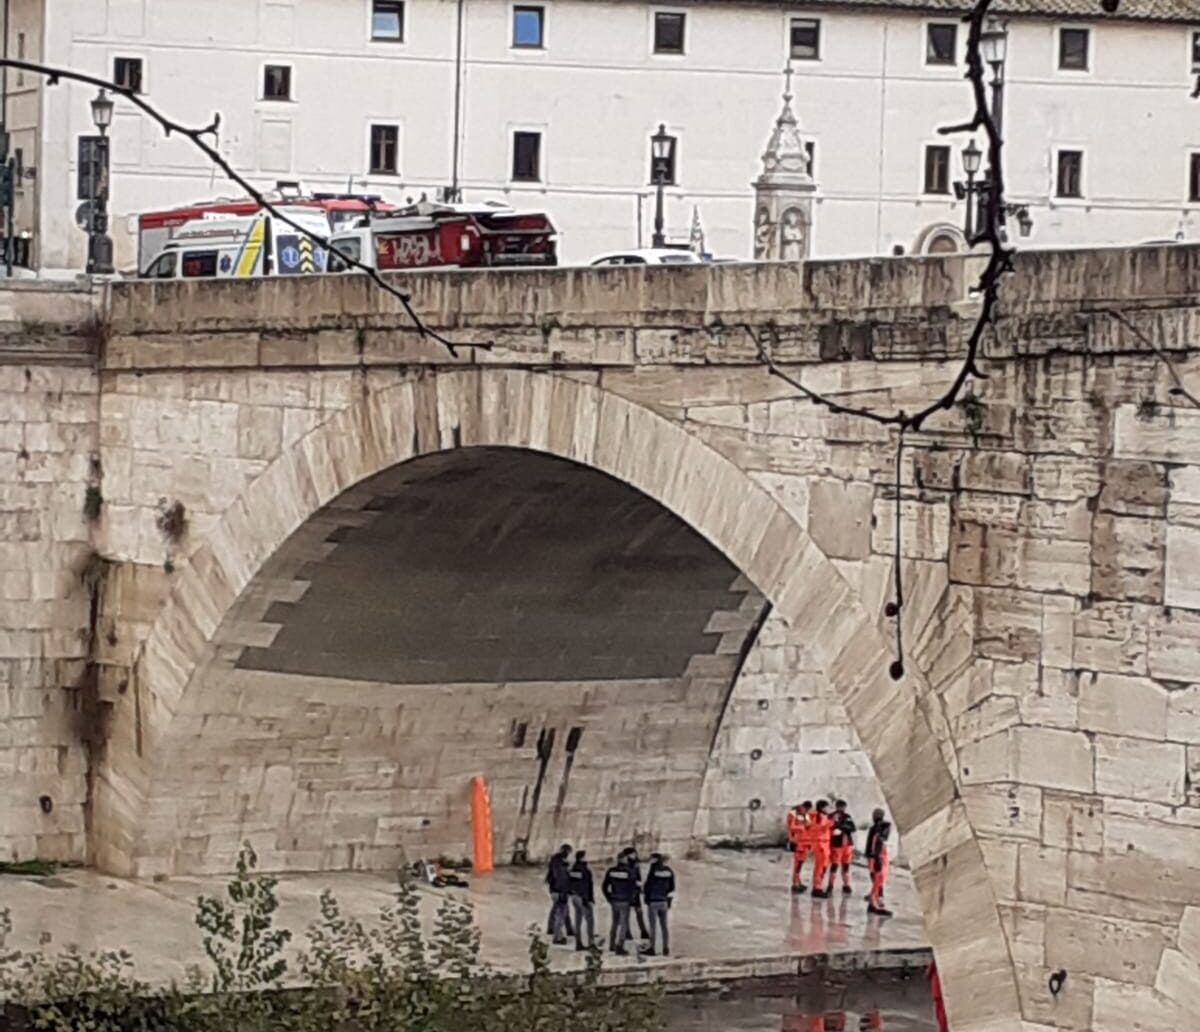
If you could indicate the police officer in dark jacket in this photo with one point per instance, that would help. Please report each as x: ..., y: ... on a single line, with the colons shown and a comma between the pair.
x: 659, y: 891
x: 558, y: 881
x: 635, y: 866
x: 619, y: 889
x: 583, y: 900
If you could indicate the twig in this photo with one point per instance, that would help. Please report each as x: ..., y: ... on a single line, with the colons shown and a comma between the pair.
x: 1180, y: 388
x: 991, y: 233
x: 197, y: 138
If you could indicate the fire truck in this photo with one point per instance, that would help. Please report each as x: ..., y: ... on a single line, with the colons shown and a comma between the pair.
x: 428, y: 235
x: 156, y: 229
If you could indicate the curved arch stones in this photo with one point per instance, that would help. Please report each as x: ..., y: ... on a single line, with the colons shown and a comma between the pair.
x: 577, y: 421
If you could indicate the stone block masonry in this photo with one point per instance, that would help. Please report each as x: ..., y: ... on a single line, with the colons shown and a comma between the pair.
x: 1039, y: 756
x: 49, y: 568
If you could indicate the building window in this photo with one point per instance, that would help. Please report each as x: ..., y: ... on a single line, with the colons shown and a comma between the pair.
x: 668, y: 32
x: 20, y: 57
x: 941, y: 41
x: 277, y: 82
x: 1196, y: 51
x: 385, y: 150
x: 1073, y: 50
x: 527, y: 157
x: 806, y: 39
x: 810, y: 148
x: 937, y: 169
x: 1194, y: 178
x: 1069, y: 181
x: 127, y: 73
x: 527, y: 26
x: 387, y: 20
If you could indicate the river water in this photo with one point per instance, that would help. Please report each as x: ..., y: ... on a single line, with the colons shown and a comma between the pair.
x: 857, y: 1003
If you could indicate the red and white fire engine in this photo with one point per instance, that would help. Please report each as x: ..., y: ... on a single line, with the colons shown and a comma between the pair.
x: 427, y: 235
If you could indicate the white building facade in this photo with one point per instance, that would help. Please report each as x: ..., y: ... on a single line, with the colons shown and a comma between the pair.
x: 552, y: 104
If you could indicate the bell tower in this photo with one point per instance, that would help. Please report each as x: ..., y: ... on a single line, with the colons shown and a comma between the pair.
x: 783, y: 194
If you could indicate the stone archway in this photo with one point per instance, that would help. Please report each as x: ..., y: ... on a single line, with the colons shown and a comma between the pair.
x: 576, y: 421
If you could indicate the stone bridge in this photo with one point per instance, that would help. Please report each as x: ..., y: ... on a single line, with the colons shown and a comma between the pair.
x: 274, y: 568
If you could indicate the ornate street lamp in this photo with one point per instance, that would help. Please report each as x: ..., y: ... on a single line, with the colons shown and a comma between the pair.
x: 100, y: 248
x: 993, y: 45
x: 102, y: 111
x: 971, y: 158
x: 662, y: 164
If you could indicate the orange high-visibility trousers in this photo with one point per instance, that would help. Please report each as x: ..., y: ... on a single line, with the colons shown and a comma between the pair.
x: 820, y: 866
x: 879, y: 869
x: 799, y: 855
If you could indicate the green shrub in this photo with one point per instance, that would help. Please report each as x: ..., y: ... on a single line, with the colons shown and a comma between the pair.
x: 386, y: 976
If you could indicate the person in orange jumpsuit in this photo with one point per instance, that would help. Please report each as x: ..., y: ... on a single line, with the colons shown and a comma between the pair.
x: 822, y: 827
x: 877, y: 862
x: 799, y: 832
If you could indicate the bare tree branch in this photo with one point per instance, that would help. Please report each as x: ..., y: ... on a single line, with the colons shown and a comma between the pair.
x: 991, y: 233
x: 1180, y: 387
x: 197, y: 137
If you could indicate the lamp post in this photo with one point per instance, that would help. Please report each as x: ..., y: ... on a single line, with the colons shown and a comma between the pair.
x: 971, y: 158
x: 662, y: 161
x: 993, y: 45
x: 100, y: 248
x: 8, y: 187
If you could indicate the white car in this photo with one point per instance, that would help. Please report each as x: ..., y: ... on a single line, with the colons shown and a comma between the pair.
x: 648, y: 256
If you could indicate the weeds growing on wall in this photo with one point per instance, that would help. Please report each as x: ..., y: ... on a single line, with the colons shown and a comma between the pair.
x: 385, y: 976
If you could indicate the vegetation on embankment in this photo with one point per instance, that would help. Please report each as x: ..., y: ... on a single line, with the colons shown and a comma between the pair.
x: 388, y: 976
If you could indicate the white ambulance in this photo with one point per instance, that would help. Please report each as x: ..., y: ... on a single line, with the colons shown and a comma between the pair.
x: 219, y: 246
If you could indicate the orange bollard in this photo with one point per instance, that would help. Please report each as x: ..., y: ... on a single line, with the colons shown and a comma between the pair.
x: 481, y: 827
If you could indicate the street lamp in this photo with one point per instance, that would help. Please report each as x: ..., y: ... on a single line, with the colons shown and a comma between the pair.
x: 993, y: 45
x: 8, y: 188
x: 971, y: 158
x: 100, y: 248
x: 662, y: 163
x: 102, y: 111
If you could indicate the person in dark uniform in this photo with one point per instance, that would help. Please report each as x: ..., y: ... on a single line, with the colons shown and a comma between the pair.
x: 660, y: 891
x: 841, y: 845
x: 877, y: 862
x: 619, y: 890
x: 635, y: 866
x: 583, y: 900
x: 558, y: 881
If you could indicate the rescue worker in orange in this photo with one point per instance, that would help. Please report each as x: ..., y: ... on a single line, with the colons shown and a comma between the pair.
x: 841, y: 846
x: 877, y: 862
x: 822, y: 829
x: 799, y: 833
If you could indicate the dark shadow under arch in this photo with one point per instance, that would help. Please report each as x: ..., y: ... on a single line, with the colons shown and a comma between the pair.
x: 494, y: 565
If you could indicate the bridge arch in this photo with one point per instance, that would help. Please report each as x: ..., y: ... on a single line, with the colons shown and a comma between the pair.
x: 563, y: 417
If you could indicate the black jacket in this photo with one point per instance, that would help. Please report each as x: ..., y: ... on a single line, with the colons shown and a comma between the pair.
x: 558, y: 879
x: 660, y: 884
x: 581, y: 882
x: 619, y: 886
x: 877, y: 839
x: 843, y: 830
x: 635, y: 869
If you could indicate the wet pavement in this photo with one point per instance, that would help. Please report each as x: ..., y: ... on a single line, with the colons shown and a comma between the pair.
x: 861, y: 1003
x: 733, y: 918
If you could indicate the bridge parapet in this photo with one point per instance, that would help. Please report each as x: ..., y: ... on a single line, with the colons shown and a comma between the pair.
x: 873, y: 310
